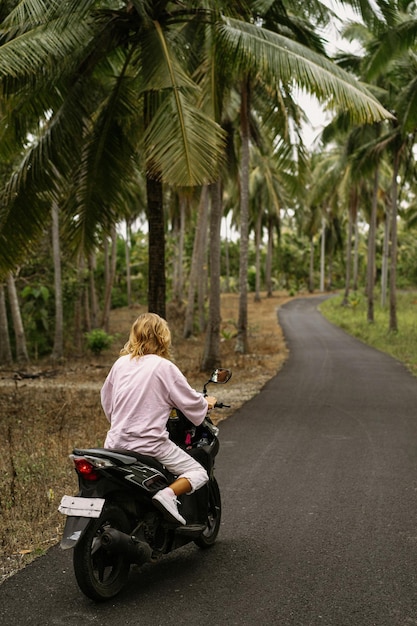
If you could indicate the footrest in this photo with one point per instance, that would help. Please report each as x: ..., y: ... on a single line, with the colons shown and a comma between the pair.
x: 190, y: 530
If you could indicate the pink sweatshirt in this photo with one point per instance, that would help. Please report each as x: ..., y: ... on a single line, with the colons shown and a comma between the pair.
x: 137, y: 397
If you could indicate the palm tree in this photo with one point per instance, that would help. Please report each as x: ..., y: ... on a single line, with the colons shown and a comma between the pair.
x: 58, y: 348
x: 276, y: 177
x: 242, y: 324
x: 5, y: 347
x: 211, y: 356
x: 119, y: 81
x: 110, y: 274
x: 275, y: 59
x: 390, y: 60
x: 113, y: 88
x: 22, y: 355
x: 197, y: 259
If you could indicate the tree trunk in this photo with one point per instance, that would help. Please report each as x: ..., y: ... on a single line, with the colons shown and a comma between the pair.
x: 179, y: 236
x: 58, y: 348
x: 5, y: 349
x: 86, y: 308
x: 370, y: 274
x: 21, y: 349
x: 156, y: 257
x: 393, y: 323
x: 211, y: 357
x: 330, y: 271
x: 242, y: 325
x: 94, y: 308
x: 385, y: 257
x: 268, y: 263
x: 258, y: 240
x: 127, y: 257
x: 311, y: 267
x: 322, y: 253
x: 78, y: 307
x: 110, y: 280
x: 226, y: 261
x: 352, y: 211
x: 199, y: 239
x: 356, y: 255
x: 202, y: 274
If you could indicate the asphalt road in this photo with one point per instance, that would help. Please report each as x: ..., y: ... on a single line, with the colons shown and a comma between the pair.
x: 318, y: 479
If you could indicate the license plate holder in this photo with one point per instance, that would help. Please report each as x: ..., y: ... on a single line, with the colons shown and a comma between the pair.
x: 76, y: 506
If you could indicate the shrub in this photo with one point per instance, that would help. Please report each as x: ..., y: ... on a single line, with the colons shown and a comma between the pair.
x: 98, y: 340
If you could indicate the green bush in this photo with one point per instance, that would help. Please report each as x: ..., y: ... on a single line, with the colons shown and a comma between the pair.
x: 402, y: 344
x: 98, y: 340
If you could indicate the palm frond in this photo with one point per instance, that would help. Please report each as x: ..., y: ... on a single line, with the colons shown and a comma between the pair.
x: 367, y: 156
x: 160, y: 66
x: 36, y: 52
x: 184, y: 146
x: 285, y: 60
x: 22, y: 222
x: 393, y: 42
x: 407, y: 106
x: 108, y: 162
x: 27, y: 14
x: 26, y: 197
x: 371, y: 13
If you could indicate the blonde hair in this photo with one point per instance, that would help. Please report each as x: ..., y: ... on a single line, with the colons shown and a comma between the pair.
x: 149, y: 334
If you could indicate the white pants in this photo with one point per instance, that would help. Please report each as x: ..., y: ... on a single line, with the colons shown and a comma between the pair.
x: 178, y: 462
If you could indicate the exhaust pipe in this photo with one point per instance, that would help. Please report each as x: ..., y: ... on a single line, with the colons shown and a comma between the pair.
x: 138, y: 552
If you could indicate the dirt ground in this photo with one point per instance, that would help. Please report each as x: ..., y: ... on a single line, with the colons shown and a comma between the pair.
x: 45, y: 411
x: 267, y: 353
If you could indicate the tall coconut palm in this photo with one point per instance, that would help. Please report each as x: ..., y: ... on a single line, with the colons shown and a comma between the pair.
x: 242, y: 325
x: 116, y: 92
x: 275, y: 181
x: 114, y: 88
x: 58, y: 348
x: 22, y: 355
x: 211, y: 356
x: 391, y: 60
x: 197, y: 259
x: 271, y: 58
x: 5, y: 347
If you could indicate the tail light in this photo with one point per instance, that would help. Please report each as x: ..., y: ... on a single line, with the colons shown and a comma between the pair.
x: 86, y: 469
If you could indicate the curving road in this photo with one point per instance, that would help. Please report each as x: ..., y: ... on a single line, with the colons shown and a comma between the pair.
x: 319, y: 484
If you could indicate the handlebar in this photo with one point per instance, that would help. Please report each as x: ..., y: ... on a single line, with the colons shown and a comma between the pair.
x: 220, y: 405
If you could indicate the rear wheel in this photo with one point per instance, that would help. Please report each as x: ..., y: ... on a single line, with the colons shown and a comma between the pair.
x: 209, y: 535
x: 101, y: 575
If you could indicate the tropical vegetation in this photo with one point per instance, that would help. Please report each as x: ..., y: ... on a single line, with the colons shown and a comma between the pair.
x: 400, y: 345
x: 153, y: 152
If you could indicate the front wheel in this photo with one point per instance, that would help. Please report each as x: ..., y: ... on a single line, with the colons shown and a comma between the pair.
x: 101, y: 575
x: 209, y: 535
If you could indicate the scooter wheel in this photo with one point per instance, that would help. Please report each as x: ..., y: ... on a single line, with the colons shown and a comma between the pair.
x: 209, y: 535
x: 101, y: 575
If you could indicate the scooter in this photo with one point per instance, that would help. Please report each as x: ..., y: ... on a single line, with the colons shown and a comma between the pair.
x: 112, y: 523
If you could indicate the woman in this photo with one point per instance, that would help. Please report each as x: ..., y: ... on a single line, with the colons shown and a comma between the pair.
x: 137, y: 397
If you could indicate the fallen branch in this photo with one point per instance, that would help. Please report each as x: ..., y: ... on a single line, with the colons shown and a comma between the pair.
x: 43, y: 374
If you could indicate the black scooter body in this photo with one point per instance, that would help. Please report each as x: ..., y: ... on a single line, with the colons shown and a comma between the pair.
x: 112, y: 522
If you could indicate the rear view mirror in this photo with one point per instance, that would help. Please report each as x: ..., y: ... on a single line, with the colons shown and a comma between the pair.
x: 220, y: 375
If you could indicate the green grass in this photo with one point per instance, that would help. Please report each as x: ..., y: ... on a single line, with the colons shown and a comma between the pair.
x: 402, y: 344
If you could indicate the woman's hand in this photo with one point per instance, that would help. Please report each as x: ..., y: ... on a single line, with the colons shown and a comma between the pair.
x: 211, y: 401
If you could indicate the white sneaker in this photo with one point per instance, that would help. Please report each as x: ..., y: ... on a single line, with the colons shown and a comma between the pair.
x: 166, y: 501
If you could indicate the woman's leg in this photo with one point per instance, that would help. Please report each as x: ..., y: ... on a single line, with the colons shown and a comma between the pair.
x: 181, y: 486
x: 180, y: 463
x: 191, y: 476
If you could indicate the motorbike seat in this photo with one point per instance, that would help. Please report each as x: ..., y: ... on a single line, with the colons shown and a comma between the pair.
x: 138, y: 456
x: 120, y: 457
